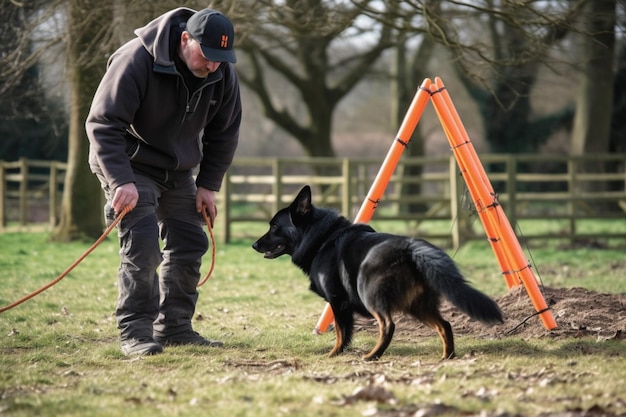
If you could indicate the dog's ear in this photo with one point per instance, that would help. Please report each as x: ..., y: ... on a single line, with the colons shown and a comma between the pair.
x: 301, y: 206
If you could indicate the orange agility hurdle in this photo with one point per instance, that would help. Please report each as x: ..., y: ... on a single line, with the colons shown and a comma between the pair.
x: 501, y: 237
x: 412, y: 117
x: 499, y: 231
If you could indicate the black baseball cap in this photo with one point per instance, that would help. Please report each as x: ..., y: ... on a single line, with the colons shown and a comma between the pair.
x: 215, y: 34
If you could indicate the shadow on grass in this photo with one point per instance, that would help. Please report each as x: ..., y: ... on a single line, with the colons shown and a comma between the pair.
x: 562, y: 348
x: 429, y: 349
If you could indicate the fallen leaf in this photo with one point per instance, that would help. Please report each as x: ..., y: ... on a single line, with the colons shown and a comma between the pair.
x: 617, y: 336
x: 435, y: 410
x: 370, y: 393
x: 318, y: 400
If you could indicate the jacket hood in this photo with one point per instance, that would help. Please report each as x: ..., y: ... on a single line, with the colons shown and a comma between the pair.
x: 156, y: 34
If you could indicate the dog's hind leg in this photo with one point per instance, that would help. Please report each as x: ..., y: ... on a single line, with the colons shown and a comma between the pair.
x: 428, y: 313
x: 444, y: 330
x: 386, y: 327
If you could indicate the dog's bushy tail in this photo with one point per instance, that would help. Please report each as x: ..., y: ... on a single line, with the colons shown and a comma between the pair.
x: 443, y: 275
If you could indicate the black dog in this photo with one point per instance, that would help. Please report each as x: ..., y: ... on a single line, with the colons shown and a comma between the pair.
x: 374, y: 274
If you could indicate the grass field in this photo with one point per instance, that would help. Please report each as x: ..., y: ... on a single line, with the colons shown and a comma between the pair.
x: 59, y: 352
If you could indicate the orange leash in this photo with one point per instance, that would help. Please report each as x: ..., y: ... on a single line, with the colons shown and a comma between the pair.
x: 208, y: 225
x: 72, y: 266
x: 94, y: 246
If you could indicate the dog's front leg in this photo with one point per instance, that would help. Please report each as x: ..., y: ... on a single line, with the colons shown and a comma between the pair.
x: 338, y: 348
x: 344, y: 324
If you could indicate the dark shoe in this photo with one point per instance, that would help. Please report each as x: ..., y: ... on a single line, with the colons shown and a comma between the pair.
x: 141, y: 347
x: 188, y: 338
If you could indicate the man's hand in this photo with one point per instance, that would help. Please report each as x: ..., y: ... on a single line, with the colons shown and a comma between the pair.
x: 205, y: 200
x: 125, y: 195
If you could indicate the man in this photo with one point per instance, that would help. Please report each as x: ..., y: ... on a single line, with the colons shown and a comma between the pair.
x: 168, y: 102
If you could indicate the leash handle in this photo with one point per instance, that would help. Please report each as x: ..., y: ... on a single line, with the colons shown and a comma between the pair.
x: 208, y: 225
x: 72, y: 266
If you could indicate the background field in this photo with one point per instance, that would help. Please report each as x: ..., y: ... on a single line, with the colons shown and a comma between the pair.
x: 59, y: 352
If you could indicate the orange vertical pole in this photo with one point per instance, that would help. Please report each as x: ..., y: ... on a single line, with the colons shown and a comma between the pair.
x: 494, y: 219
x: 365, y: 213
x: 474, y: 187
x: 480, y: 190
x: 478, y: 183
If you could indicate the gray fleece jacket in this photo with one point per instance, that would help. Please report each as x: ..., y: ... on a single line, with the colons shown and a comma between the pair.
x: 144, y: 119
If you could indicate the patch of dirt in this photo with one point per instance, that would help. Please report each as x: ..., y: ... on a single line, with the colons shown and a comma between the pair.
x: 578, y: 313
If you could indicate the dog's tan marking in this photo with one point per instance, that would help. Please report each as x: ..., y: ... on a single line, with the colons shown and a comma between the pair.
x: 336, y: 350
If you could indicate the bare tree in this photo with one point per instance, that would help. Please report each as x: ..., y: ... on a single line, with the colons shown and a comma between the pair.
x: 17, y: 52
x: 29, y: 124
x: 498, y: 49
x: 592, y: 127
x: 319, y: 51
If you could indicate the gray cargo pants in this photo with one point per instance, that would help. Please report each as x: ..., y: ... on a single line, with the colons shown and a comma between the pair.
x: 151, y: 302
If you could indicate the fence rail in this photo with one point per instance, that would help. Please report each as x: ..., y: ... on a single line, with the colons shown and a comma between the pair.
x: 565, y: 190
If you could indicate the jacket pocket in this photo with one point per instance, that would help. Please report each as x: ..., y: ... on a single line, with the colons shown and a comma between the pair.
x: 142, y: 153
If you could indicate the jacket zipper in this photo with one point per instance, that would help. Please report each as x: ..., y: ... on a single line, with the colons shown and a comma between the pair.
x: 188, y: 104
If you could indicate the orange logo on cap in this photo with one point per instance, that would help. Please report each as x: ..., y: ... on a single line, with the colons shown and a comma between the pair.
x: 224, y: 43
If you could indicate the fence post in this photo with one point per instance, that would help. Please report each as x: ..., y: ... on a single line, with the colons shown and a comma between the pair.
x: 3, y: 189
x: 572, y: 167
x: 276, y: 168
x: 23, y: 192
x: 53, y: 183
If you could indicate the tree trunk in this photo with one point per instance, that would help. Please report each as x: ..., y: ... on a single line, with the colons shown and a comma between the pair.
x: 81, y: 208
x: 592, y: 122
x: 594, y: 105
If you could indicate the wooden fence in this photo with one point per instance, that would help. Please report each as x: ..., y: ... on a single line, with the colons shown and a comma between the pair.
x: 425, y: 195
x: 30, y: 190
